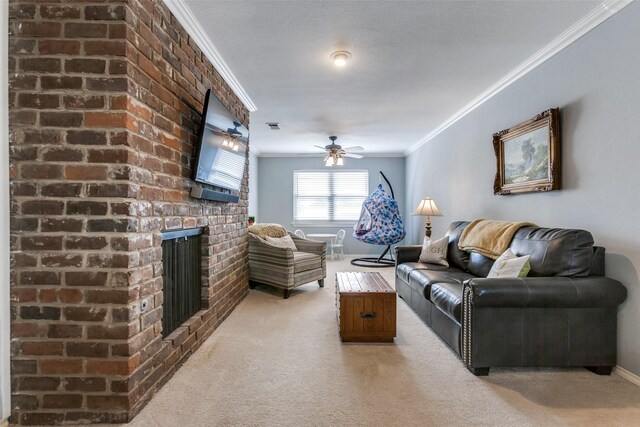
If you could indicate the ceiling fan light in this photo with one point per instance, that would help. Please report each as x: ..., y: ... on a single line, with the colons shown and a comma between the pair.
x: 329, y: 162
x: 339, y: 162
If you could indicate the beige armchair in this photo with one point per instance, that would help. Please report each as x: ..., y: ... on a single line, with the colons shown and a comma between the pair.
x: 283, y: 267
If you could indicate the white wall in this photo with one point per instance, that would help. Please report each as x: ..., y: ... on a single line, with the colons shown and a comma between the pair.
x: 275, y: 198
x: 595, y: 82
x: 5, y: 384
x: 253, y: 185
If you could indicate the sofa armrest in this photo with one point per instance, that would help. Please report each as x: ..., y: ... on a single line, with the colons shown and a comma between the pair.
x: 311, y: 246
x: 552, y: 292
x: 407, y: 253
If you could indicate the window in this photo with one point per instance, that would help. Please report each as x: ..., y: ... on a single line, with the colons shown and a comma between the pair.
x: 329, y: 196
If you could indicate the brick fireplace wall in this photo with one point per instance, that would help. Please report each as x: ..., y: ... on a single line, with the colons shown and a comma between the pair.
x: 105, y: 103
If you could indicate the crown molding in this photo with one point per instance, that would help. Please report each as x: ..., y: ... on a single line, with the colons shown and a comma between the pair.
x: 594, y: 18
x: 319, y: 155
x: 188, y: 20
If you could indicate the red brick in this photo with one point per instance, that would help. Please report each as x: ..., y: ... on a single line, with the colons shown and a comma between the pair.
x: 37, y: 383
x: 104, y: 13
x: 86, y: 137
x: 60, y: 366
x: 58, y: 401
x: 105, y: 48
x: 112, y: 366
x: 84, y: 30
x: 59, y: 47
x: 40, y: 65
x: 59, y: 12
x: 61, y: 119
x: 61, y: 224
x: 23, y: 329
x: 85, y: 314
x: 85, y: 65
x: 84, y: 243
x: 65, y: 331
x: 60, y: 82
x: 42, y: 207
x: 87, y: 349
x: 73, y: 296
x: 86, y: 173
x: 41, y: 348
x: 61, y: 190
x: 50, y: 278
x: 108, y: 296
x: 81, y: 102
x: 38, y: 29
x: 92, y: 384
x: 60, y: 154
x: 41, y: 171
x: 31, y: 100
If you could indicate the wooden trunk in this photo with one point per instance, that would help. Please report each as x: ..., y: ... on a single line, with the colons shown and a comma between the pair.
x: 366, y: 307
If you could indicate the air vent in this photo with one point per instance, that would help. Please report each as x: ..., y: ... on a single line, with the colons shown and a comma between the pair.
x: 273, y: 125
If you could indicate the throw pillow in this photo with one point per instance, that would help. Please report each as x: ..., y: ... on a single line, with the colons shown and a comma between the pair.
x: 511, y: 266
x: 282, y: 242
x: 435, y: 251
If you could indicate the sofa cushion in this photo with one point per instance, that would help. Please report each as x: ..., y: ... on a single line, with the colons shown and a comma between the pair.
x: 456, y: 257
x: 304, y: 261
x: 422, y: 280
x: 555, y: 251
x: 448, y: 298
x: 479, y: 265
x: 405, y: 269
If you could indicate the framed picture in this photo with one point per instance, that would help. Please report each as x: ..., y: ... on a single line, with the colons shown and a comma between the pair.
x: 528, y: 155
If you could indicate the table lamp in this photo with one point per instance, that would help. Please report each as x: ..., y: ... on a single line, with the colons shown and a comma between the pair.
x: 428, y: 208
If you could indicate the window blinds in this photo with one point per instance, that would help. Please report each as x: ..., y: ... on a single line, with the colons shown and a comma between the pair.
x: 329, y: 195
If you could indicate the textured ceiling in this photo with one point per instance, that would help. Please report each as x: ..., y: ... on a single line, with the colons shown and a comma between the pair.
x: 414, y: 63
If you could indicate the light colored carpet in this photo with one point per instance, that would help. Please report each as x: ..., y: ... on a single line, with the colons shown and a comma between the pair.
x: 278, y: 362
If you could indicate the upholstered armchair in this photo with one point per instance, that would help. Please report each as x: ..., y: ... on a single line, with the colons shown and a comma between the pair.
x: 284, y: 267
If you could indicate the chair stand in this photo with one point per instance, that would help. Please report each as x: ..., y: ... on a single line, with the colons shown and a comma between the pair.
x: 380, y: 262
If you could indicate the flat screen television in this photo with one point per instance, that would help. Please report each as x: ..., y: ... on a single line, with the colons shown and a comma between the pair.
x: 221, y: 149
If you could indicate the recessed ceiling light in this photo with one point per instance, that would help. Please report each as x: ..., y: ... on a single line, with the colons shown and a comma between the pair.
x: 340, y: 58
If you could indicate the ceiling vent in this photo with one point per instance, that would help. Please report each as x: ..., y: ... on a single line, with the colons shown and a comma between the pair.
x: 273, y: 125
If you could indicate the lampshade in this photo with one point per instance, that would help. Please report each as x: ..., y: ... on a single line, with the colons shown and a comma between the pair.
x: 339, y: 162
x: 427, y: 207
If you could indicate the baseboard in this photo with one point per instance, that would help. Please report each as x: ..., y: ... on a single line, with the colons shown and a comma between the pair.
x: 629, y: 376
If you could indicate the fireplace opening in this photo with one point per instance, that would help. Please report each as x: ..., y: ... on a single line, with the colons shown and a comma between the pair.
x: 182, y: 277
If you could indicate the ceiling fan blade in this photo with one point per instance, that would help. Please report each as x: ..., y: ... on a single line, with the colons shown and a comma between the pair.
x: 317, y: 146
x: 354, y: 148
x: 353, y: 156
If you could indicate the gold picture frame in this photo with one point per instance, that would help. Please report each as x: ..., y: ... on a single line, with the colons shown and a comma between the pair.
x: 528, y: 155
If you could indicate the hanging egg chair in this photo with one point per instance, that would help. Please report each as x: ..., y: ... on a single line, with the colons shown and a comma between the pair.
x: 380, y: 223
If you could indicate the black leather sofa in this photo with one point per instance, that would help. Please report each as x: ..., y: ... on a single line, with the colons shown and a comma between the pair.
x: 564, y: 313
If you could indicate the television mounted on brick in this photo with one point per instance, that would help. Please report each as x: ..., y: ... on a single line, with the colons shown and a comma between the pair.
x: 220, y: 154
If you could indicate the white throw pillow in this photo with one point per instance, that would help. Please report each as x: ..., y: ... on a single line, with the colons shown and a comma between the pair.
x: 511, y: 266
x: 282, y: 242
x: 435, y: 251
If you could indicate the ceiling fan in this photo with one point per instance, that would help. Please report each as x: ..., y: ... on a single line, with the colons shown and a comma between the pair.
x: 335, y: 153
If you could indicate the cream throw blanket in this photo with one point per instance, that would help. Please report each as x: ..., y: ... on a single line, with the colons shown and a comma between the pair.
x: 488, y: 237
